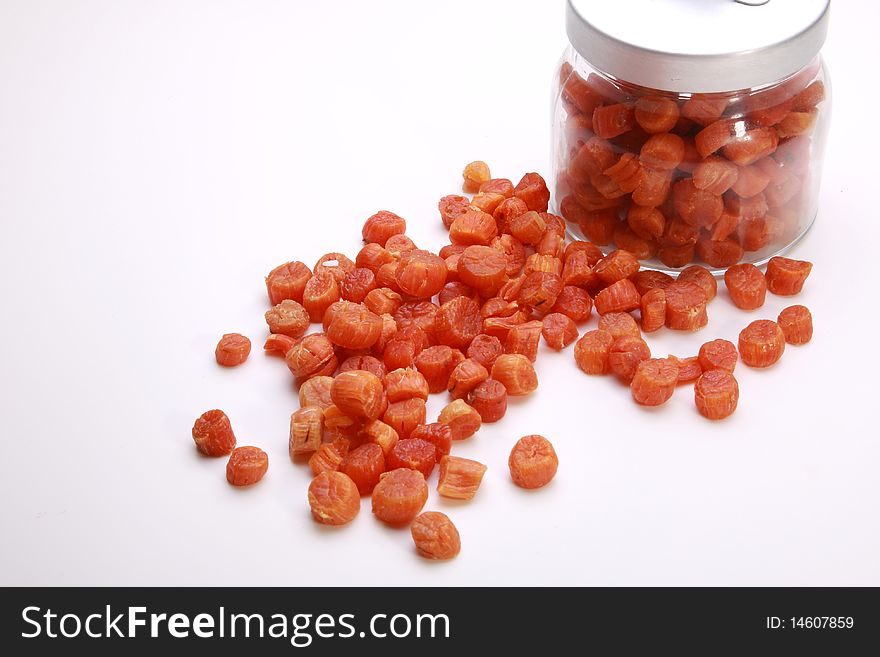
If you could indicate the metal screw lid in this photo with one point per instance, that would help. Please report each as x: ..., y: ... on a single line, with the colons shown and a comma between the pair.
x: 698, y: 46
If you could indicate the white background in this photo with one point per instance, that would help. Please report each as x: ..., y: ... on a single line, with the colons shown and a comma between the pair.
x: 158, y: 159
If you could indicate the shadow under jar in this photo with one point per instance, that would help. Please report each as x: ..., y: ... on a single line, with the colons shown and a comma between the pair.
x: 691, y: 131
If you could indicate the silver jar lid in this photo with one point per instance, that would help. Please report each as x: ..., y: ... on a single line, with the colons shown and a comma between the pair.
x: 699, y: 46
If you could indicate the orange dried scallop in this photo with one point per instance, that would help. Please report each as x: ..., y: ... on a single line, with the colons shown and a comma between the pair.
x: 721, y: 253
x: 761, y: 343
x: 353, y: 327
x: 516, y: 373
x: 475, y: 174
x: 421, y: 314
x: 626, y: 239
x: 365, y: 362
x: 532, y: 462
x: 364, y: 465
x: 647, y: 223
x: 654, y: 185
x: 697, y: 207
x: 500, y: 186
x: 625, y: 355
x: 796, y: 323
x: 460, y: 478
x: 809, y: 97
x: 625, y: 174
x: 754, y: 233
x: 466, y: 376
x: 702, y: 277
x: 716, y: 394
x: 357, y: 284
x: 212, y: 433
x: 616, y: 266
x: 715, y: 136
x: 484, y: 268
x: 727, y: 225
x: 435, y: 536
x: 591, y: 351
x: 619, y: 325
x: 704, y: 108
x: 473, y: 227
x: 578, y: 271
x: 381, y: 434
x: 718, y: 355
x: 328, y: 457
x: 523, y: 339
x: 463, y: 419
x: 656, y: 114
x: 399, y: 496
x: 382, y: 225
x: 320, y: 292
x: 306, y: 431
x: 664, y: 151
x: 750, y: 181
x: 487, y: 201
x: 405, y: 383
x: 421, y: 274
x: 593, y: 157
x: 686, y: 306
x: 654, y: 381
x: 333, y: 498
x: 575, y: 303
x: 278, y: 345
x: 611, y: 121
x: 316, y: 392
x: 653, y: 310
x: 436, y: 433
x: 649, y: 279
x: 451, y: 207
x: 287, y: 318
x: 578, y: 93
x: 287, y: 281
x: 558, y: 330
x: 246, y: 466
x: 404, y: 416
x: 232, y: 350
x: 506, y: 211
x: 533, y: 191
x: 335, y: 264
x: 436, y: 364
x: 528, y: 227
x: 786, y: 276
x: 675, y: 255
x: 621, y: 296
x: 489, y: 400
x: 797, y: 123
x: 399, y: 352
x: 372, y: 257
x: 457, y: 322
x: 746, y: 285
x: 484, y: 349
x: 413, y: 453
x: 540, y: 290
x: 752, y: 146
x: 358, y: 394
x: 715, y: 175
x: 598, y: 226
x: 689, y: 369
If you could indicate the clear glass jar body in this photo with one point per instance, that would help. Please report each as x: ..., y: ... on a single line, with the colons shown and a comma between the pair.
x: 680, y: 178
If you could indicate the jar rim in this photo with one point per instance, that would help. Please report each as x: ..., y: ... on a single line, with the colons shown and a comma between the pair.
x: 702, y: 47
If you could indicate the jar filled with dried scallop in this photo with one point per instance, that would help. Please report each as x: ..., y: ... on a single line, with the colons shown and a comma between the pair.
x: 698, y: 141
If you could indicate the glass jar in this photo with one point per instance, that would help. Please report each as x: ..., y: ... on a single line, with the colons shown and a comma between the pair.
x: 691, y: 130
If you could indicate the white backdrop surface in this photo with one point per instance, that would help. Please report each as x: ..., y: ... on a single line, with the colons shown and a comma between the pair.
x: 158, y: 159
